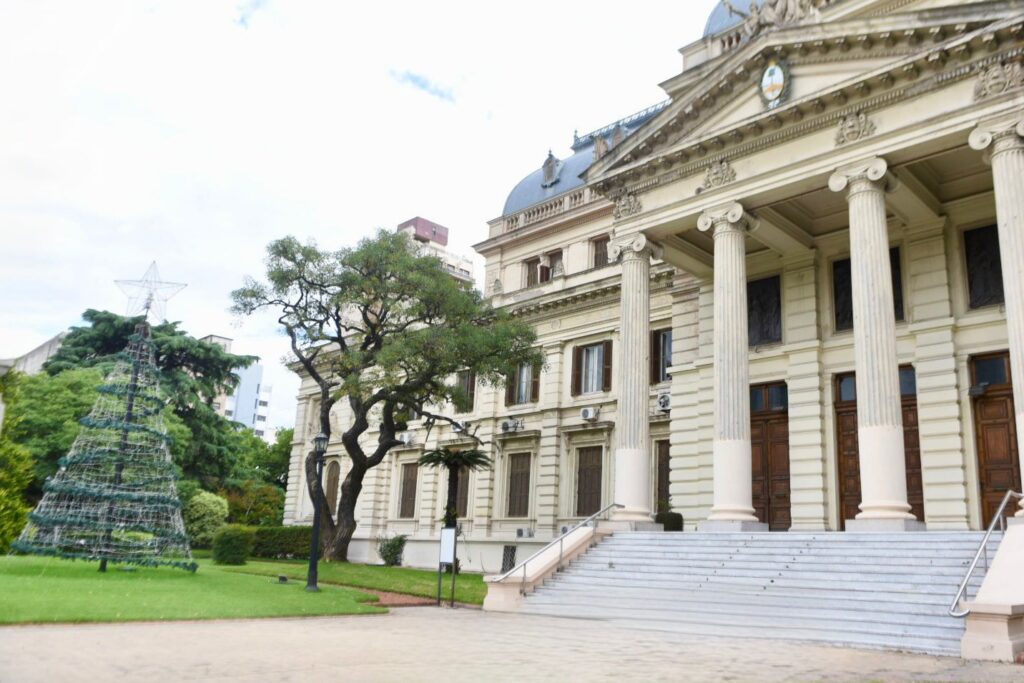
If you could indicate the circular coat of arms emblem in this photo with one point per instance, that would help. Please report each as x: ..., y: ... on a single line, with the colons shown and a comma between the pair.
x: 775, y: 82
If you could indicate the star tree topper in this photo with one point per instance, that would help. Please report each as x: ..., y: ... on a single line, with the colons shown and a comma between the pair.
x: 149, y: 295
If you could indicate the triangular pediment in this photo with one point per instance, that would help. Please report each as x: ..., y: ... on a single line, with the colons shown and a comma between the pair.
x: 829, y: 64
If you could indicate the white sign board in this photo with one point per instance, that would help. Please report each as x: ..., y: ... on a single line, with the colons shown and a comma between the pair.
x: 447, y: 546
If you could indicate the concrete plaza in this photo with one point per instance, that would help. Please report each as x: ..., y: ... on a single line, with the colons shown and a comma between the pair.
x: 428, y: 644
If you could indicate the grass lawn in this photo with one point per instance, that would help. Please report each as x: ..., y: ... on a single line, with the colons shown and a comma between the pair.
x: 46, y: 590
x: 469, y: 588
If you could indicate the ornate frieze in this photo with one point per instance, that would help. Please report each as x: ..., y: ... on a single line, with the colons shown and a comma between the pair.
x: 626, y: 204
x: 854, y: 127
x: 718, y: 173
x: 996, y: 79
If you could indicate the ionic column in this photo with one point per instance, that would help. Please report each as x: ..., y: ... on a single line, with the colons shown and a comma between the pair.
x: 1006, y: 145
x: 733, y: 508
x: 883, y: 473
x: 632, y: 485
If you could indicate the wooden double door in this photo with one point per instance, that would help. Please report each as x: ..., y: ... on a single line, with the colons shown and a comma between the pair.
x: 848, y: 449
x: 995, y: 431
x: 769, y: 449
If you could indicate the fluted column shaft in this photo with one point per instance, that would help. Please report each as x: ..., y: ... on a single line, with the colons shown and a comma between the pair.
x: 1007, y: 157
x: 632, y: 483
x: 732, y: 487
x: 879, y: 408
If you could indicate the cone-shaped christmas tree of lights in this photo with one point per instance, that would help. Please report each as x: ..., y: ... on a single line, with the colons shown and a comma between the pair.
x: 114, y: 498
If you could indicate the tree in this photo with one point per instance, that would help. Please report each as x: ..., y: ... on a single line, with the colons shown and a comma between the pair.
x: 192, y: 373
x: 262, y: 462
x: 383, y: 328
x: 113, y: 497
x: 454, y: 461
x: 15, y: 465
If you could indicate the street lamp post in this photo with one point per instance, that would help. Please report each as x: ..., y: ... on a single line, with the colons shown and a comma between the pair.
x: 319, y: 449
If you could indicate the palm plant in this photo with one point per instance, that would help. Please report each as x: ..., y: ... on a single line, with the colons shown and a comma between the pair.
x: 454, y: 461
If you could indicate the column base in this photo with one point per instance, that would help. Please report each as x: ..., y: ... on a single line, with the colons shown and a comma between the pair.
x: 720, y: 526
x: 882, y: 526
x: 631, y: 515
x: 628, y: 525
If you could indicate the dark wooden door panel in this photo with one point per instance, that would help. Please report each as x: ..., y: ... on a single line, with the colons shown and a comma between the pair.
x: 996, y: 437
x: 769, y: 449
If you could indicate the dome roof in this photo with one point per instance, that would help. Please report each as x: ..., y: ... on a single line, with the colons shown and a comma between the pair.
x: 566, y: 174
x: 721, y: 19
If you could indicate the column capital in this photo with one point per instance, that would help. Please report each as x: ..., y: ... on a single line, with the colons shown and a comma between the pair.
x: 731, y: 215
x: 868, y: 173
x: 636, y: 246
x: 997, y: 136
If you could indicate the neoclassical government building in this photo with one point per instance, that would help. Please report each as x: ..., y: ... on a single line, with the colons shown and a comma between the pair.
x: 789, y: 297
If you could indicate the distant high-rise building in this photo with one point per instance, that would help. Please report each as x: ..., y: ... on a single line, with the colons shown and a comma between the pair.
x: 433, y: 239
x: 249, y: 403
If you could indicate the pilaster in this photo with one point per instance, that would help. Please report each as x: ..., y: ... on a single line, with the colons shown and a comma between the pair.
x: 547, y: 470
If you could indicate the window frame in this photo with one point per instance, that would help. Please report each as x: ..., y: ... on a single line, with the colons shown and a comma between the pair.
x: 512, y: 386
x: 578, y: 367
x: 967, y: 268
x: 599, y: 245
x: 524, y: 499
x: 402, y: 481
x: 897, y: 280
x: 661, y: 356
x: 751, y: 343
x: 469, y: 387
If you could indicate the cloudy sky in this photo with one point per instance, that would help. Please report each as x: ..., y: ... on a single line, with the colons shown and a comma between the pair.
x: 193, y: 132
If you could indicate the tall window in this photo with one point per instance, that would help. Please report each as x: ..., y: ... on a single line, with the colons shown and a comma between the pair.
x: 842, y: 290
x: 532, y: 271
x: 519, y: 485
x: 764, y: 311
x: 592, y: 368
x: 407, y: 495
x: 588, y: 481
x: 663, y: 502
x: 984, y: 267
x: 661, y: 355
x: 600, y: 251
x: 462, y: 494
x: 553, y: 268
x: 466, y: 382
x: 523, y: 386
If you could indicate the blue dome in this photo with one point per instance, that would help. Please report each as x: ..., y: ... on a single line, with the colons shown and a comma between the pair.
x: 722, y: 19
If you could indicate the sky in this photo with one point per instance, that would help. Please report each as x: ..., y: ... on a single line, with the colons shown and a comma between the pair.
x: 194, y: 132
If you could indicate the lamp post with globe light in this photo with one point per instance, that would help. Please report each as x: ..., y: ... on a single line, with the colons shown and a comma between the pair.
x: 319, y: 450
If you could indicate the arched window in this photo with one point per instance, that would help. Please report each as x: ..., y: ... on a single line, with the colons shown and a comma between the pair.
x: 331, y: 487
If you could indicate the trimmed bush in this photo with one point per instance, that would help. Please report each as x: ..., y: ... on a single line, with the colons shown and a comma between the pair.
x: 204, y: 515
x: 232, y: 544
x: 673, y: 521
x: 390, y: 549
x: 282, y: 542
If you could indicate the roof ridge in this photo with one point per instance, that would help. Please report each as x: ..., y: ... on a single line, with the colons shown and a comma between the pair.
x: 637, y: 117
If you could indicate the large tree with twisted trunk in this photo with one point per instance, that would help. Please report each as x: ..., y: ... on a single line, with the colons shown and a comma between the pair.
x: 384, y: 328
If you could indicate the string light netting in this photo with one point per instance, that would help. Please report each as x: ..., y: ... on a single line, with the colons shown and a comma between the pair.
x: 113, y: 497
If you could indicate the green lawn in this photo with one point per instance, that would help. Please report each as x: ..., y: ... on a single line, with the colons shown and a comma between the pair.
x: 44, y: 590
x: 469, y: 588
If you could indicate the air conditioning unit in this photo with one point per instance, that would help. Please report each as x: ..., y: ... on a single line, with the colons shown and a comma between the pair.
x: 590, y: 414
x: 664, y: 402
x: 511, y: 425
x: 460, y: 427
x: 407, y: 437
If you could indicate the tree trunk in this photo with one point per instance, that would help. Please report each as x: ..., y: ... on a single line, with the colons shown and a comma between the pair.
x: 327, y: 526
x: 450, y: 514
x: 336, y: 546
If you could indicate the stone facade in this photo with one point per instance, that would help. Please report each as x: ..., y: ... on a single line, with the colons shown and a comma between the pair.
x: 930, y: 150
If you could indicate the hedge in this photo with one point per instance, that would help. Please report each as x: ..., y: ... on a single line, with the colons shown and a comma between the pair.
x: 232, y: 544
x: 282, y: 542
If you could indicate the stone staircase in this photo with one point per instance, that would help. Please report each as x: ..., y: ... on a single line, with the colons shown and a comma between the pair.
x: 888, y: 591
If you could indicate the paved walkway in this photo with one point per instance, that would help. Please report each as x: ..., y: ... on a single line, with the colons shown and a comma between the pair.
x: 426, y: 644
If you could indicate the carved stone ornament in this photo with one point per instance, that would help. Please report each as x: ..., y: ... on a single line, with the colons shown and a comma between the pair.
x: 853, y: 128
x: 626, y: 204
x: 496, y: 286
x: 732, y: 214
x: 874, y: 170
x: 719, y: 173
x: 997, y: 79
x: 638, y: 246
x: 775, y: 13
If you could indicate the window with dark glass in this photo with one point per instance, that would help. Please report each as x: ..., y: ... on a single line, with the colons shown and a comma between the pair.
x: 462, y: 494
x: 407, y: 496
x: 553, y: 267
x: 663, y: 503
x: 600, y: 252
x: 466, y: 382
x: 592, y: 368
x: 519, y: 485
x: 588, y: 481
x: 661, y: 355
x: 532, y: 271
x: 908, y: 381
x: 842, y: 289
x: 984, y: 267
x: 764, y: 310
x: 991, y: 371
x: 769, y: 397
x: 523, y: 386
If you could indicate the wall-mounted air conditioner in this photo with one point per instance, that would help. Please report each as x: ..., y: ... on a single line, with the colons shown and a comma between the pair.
x: 590, y: 414
x: 664, y: 402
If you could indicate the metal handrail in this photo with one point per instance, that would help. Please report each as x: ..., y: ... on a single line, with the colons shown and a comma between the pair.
x: 561, y: 545
x: 1000, y: 519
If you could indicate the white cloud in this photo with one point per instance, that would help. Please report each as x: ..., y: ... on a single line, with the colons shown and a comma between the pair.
x: 194, y: 132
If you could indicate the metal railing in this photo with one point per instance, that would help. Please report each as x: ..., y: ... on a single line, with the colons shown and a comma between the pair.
x: 560, y: 541
x: 1000, y: 521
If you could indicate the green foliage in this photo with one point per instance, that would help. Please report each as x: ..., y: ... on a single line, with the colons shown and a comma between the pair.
x: 262, y: 462
x: 15, y: 465
x: 187, y: 488
x: 390, y: 549
x: 204, y: 515
x: 673, y: 521
x: 279, y: 456
x: 255, y: 503
x: 282, y: 542
x: 45, y: 418
x: 454, y: 461
x: 232, y: 544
